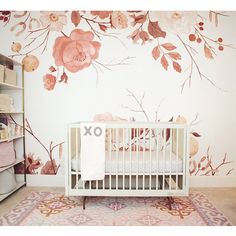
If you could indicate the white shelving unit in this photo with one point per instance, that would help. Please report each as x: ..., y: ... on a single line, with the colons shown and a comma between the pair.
x: 17, y: 93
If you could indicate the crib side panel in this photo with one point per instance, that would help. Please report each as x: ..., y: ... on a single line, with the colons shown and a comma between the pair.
x: 142, y: 160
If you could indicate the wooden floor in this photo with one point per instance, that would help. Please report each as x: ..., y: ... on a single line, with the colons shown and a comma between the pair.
x: 224, y: 199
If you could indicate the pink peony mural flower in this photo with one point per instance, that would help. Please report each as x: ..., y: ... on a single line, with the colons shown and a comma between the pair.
x: 49, y: 81
x: 32, y: 164
x: 77, y: 51
x: 53, y: 19
x: 101, y: 14
x: 176, y: 22
x: 119, y: 20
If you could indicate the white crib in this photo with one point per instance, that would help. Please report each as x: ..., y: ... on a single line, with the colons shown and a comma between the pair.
x: 142, y: 159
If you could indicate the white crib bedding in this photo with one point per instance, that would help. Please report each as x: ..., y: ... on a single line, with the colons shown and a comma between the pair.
x: 115, y: 164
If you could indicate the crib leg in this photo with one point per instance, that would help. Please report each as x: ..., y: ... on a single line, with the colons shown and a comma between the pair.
x: 84, y: 199
x: 170, y: 201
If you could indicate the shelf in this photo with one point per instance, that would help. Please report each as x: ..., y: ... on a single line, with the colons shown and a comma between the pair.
x: 16, y: 91
x: 12, y: 112
x: 18, y: 160
x: 8, y: 60
x: 9, y: 86
x: 19, y: 185
x: 10, y: 139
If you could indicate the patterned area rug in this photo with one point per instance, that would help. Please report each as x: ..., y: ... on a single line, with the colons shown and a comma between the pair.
x: 45, y: 208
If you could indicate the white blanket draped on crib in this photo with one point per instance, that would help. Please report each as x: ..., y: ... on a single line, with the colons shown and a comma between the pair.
x: 92, y: 151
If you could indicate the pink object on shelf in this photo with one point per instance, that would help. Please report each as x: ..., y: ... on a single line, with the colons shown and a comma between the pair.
x: 7, y: 154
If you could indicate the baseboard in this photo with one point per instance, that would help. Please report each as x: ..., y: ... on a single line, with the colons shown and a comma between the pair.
x: 195, y: 181
x: 212, y: 181
x: 45, y: 180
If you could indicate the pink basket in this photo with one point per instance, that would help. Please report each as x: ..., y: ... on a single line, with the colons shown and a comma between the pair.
x: 7, y: 154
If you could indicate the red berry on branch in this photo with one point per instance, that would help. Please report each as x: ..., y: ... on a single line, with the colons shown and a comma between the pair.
x: 221, y: 48
x: 192, y: 37
x: 201, y: 23
x: 220, y: 40
x: 1, y: 17
x: 5, y: 19
x: 199, y: 40
x: 201, y: 28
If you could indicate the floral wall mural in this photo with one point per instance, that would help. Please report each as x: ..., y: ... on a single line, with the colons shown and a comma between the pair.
x: 132, y: 65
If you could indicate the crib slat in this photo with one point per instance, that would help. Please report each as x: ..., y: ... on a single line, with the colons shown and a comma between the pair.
x: 170, y: 186
x: 130, y: 159
x: 137, y: 146
x: 70, y: 158
x: 177, y: 154
x: 110, y: 146
x: 117, y: 156
x: 157, y: 158
x: 76, y: 155
x: 164, y: 160
x: 143, y: 158
x: 150, y: 158
x: 123, y: 161
x: 184, y: 157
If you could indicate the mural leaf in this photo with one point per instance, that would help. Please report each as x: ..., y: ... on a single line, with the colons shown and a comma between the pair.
x: 155, y: 30
x: 168, y: 46
x: 156, y: 53
x: 138, y: 19
x: 177, y: 67
x: 174, y: 55
x: 75, y: 18
x: 135, y: 36
x: 144, y: 36
x: 196, y: 134
x: 208, y: 53
x: 164, y: 62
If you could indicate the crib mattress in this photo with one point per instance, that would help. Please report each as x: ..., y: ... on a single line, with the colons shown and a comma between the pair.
x: 139, y: 163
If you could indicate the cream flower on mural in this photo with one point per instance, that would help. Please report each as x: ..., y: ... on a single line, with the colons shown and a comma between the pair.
x: 119, y: 20
x: 54, y: 20
x: 30, y: 62
x: 176, y: 22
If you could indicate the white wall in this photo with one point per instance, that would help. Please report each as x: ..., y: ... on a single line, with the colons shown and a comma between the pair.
x: 48, y: 112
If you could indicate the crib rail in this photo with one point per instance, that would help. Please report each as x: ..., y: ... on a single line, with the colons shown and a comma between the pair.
x: 142, y: 159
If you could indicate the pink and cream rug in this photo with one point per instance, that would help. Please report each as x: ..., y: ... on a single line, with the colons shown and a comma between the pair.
x: 45, y: 208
